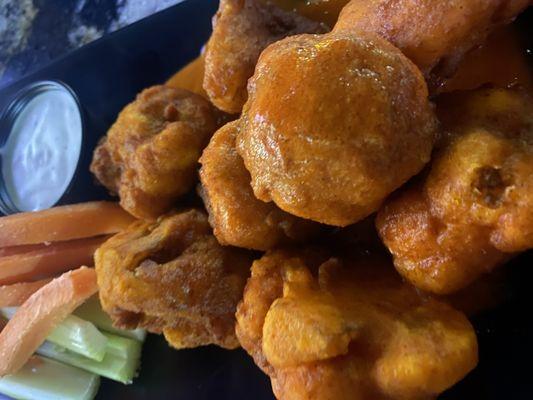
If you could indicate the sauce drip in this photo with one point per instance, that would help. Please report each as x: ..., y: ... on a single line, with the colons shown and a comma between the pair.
x: 42, y: 151
x: 326, y: 11
x: 501, y: 61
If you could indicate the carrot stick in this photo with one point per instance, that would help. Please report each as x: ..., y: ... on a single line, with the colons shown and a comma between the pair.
x: 190, y: 77
x: 28, y: 248
x: 12, y: 250
x: 17, y: 294
x: 63, y: 223
x: 47, y: 261
x: 36, y: 318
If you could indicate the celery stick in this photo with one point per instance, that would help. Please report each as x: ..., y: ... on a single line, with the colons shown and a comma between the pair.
x: 45, y: 379
x: 122, y: 347
x: 92, y: 311
x: 120, y: 363
x: 81, y: 337
x: 75, y: 334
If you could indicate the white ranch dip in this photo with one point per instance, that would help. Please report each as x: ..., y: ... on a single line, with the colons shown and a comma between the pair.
x: 42, y: 151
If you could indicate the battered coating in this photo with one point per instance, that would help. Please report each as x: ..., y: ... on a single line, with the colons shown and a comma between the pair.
x: 475, y: 209
x: 150, y: 155
x: 328, y: 328
x: 172, y: 276
x: 241, y: 30
x: 333, y: 124
x: 434, y: 34
x: 237, y: 217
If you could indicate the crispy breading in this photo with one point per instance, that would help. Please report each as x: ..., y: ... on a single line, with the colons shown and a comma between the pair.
x: 434, y: 34
x: 334, y: 123
x: 475, y: 208
x: 349, y: 328
x: 150, y: 154
x: 172, y: 276
x: 241, y: 30
x: 238, y: 218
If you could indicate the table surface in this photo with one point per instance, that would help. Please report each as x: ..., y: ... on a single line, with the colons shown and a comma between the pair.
x: 35, y: 32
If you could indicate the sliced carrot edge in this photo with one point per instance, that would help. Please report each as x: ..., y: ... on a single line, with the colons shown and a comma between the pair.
x: 16, y: 294
x: 38, y: 315
x: 48, y: 261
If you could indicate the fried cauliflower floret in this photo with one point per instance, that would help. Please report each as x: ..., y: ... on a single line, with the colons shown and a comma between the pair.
x: 172, y: 276
x: 150, y: 154
x: 434, y: 34
x: 475, y: 208
x: 237, y: 217
x: 330, y: 328
x: 241, y: 30
x: 333, y: 124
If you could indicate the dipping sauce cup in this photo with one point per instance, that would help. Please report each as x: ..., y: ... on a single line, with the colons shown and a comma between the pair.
x: 41, y: 139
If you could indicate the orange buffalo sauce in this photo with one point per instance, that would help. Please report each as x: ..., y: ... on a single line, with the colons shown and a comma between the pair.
x: 501, y: 62
x: 191, y: 76
x: 326, y: 11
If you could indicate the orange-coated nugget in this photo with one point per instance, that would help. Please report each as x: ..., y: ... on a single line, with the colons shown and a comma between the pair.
x: 434, y: 34
x: 241, y: 30
x: 334, y: 123
x: 349, y: 329
x: 238, y: 218
x: 173, y: 277
x: 150, y: 154
x: 475, y: 208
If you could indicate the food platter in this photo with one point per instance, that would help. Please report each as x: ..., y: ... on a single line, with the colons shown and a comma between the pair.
x: 116, y: 68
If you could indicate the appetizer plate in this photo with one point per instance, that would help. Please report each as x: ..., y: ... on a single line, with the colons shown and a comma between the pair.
x: 106, y: 75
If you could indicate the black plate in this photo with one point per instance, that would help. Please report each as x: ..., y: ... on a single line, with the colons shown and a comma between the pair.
x: 106, y: 75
